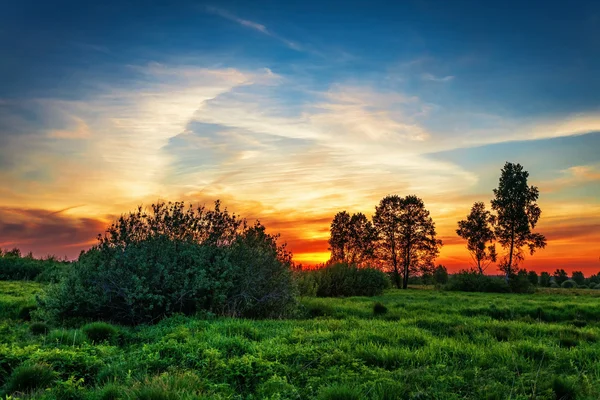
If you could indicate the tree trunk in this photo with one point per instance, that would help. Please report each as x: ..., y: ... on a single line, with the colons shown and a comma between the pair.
x: 406, y: 269
x: 479, y: 266
x: 510, y: 256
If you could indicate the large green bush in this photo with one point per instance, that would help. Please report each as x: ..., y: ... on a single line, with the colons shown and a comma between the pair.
x: 341, y: 279
x: 176, y: 260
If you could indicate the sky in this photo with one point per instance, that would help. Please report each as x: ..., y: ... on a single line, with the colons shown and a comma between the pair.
x: 292, y: 111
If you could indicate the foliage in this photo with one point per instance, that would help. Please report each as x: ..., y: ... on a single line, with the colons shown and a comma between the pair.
x: 440, y: 275
x: 578, y: 277
x: 521, y: 282
x: 544, y: 279
x: 351, y: 238
x: 176, y: 260
x: 429, y: 344
x: 517, y: 215
x: 477, y: 231
x: 99, y: 332
x: 341, y: 279
x: 568, y: 284
x: 473, y: 281
x: 39, y: 328
x: 533, y: 278
x: 560, y: 275
x: 379, y: 308
x: 407, y: 237
x: 28, y: 378
x: 15, y: 267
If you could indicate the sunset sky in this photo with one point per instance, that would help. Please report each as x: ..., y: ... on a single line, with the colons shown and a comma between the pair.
x: 292, y: 111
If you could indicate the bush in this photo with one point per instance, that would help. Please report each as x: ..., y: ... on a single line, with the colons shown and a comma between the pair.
x: 554, y: 285
x: 306, y: 283
x: 173, y: 260
x: 340, y: 392
x: 100, y: 332
x: 342, y: 279
x: 568, y: 284
x: 592, y: 285
x: 15, y: 267
x: 520, y: 283
x: 440, y: 275
x: 472, y: 281
x: 28, y: 378
x: 39, y: 328
x: 379, y: 309
x: 25, y: 312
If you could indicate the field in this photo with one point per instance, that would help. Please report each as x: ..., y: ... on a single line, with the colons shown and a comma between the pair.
x: 416, y: 344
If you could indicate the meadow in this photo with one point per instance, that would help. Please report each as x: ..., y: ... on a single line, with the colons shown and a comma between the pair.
x: 412, y: 344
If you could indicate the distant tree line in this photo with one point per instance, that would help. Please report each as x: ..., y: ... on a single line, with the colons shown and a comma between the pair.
x: 401, y: 239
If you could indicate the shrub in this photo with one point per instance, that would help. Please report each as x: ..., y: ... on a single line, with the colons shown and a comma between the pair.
x: 25, y: 312
x: 39, y: 328
x: 568, y: 284
x: 340, y: 392
x: 28, y: 378
x: 440, y: 275
x: 15, y: 267
x: 564, y: 388
x: 520, y: 283
x: 379, y: 309
x: 472, y: 281
x: 306, y: 283
x: 100, y: 332
x: 592, y: 285
x: 343, y: 279
x: 554, y: 285
x: 111, y: 392
x: 173, y: 260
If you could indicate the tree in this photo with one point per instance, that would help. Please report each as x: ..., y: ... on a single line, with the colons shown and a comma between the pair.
x: 560, y: 275
x: 440, y: 275
x: 533, y: 278
x: 544, y: 279
x: 517, y: 214
x: 477, y: 231
x: 578, y: 277
x: 407, y: 237
x: 351, y: 238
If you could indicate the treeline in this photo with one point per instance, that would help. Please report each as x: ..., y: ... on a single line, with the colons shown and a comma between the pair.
x: 15, y: 266
x: 401, y: 238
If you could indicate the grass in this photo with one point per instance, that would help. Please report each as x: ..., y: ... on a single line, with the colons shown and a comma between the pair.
x: 427, y: 345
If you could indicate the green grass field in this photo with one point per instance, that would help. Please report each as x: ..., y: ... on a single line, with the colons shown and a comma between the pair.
x: 423, y: 344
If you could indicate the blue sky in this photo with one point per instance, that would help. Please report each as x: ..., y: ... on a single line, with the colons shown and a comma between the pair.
x: 292, y: 111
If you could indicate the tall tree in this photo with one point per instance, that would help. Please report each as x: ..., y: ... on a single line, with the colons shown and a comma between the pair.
x: 351, y: 238
x: 517, y: 214
x: 407, y: 237
x: 339, y: 236
x: 477, y: 231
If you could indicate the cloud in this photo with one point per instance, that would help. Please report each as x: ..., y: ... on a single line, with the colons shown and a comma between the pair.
x: 254, y: 26
x: 47, y: 232
x: 433, y: 78
x: 573, y: 176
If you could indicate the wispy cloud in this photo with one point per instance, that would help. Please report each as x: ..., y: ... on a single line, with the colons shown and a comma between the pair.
x: 253, y: 25
x: 433, y: 78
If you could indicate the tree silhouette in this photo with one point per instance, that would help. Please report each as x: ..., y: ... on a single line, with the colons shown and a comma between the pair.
x: 533, y: 278
x: 351, y: 238
x: 544, y: 279
x: 477, y: 231
x: 560, y: 275
x: 517, y: 214
x: 578, y: 277
x: 407, y: 238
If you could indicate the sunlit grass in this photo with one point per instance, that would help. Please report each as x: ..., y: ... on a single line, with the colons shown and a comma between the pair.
x: 426, y: 345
